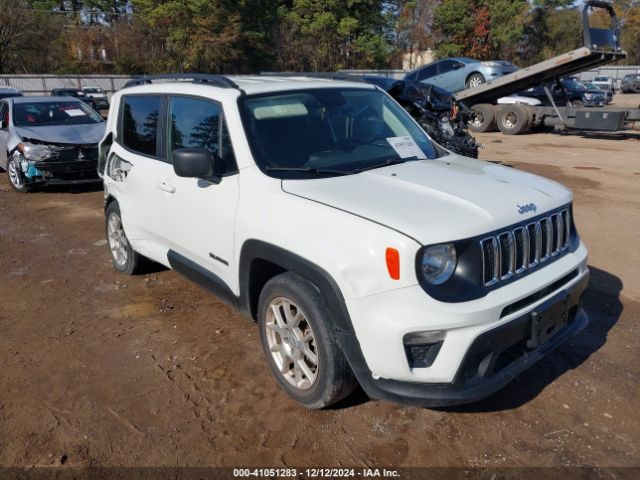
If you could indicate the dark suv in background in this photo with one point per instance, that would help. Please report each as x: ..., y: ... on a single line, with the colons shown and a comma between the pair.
x: 631, y: 83
x: 74, y: 92
x: 575, y: 92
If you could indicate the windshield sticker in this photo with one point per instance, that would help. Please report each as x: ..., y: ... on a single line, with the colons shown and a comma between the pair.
x: 75, y: 112
x: 281, y: 110
x: 405, y: 147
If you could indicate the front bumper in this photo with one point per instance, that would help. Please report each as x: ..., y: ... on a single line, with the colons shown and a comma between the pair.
x: 486, y: 340
x: 68, y: 172
x: 597, y: 102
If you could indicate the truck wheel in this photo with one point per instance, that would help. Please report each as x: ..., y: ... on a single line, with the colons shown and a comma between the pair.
x: 474, y: 80
x: 125, y: 259
x: 484, y: 119
x: 295, y: 330
x: 513, y: 119
x: 16, y: 178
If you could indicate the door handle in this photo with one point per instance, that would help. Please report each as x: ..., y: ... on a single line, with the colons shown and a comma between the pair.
x: 165, y: 187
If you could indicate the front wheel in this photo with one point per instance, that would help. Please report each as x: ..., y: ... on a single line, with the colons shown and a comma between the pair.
x: 16, y: 178
x: 475, y: 80
x: 295, y: 330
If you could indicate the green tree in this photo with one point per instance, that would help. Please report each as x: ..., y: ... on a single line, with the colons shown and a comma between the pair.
x: 482, y: 29
x: 325, y: 35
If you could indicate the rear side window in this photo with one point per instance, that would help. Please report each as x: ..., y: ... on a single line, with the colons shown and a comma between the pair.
x: 139, y: 125
x: 427, y: 72
x: 199, y: 123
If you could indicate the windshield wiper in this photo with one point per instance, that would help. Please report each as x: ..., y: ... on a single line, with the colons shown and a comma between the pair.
x: 387, y: 162
x: 319, y: 171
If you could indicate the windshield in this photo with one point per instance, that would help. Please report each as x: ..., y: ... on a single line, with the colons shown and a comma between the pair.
x: 330, y: 132
x: 92, y: 90
x: 53, y: 113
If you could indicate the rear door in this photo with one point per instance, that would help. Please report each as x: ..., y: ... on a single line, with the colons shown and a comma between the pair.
x: 138, y: 146
x: 450, y: 75
x: 198, y: 216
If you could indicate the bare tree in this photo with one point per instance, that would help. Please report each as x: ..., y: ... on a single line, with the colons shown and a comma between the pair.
x: 15, y: 22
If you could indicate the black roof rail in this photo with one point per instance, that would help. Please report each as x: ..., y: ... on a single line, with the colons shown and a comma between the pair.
x: 214, y: 80
x: 325, y: 75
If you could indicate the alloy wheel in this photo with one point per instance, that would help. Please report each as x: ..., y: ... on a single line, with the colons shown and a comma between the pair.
x: 14, y: 175
x: 292, y: 343
x: 118, y: 242
x: 474, y: 82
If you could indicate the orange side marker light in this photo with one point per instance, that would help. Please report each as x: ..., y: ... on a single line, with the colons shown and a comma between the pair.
x: 393, y: 263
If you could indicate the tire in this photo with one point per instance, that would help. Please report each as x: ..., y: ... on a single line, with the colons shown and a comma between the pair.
x: 474, y: 80
x: 513, y: 119
x: 15, y: 176
x: 124, y: 258
x: 314, y: 372
x: 485, y: 118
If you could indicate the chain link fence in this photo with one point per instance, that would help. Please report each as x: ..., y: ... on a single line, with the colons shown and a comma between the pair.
x: 43, y: 84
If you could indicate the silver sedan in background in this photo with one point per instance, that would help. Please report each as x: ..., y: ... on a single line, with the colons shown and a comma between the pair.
x: 45, y: 140
x: 455, y: 74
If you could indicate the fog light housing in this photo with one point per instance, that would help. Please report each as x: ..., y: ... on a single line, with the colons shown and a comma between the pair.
x: 422, y: 348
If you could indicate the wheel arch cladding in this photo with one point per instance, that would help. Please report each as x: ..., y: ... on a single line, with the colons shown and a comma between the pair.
x: 261, y: 261
x: 277, y: 259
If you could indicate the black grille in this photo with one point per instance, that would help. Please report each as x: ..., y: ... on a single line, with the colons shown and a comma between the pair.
x: 68, y: 153
x: 516, y: 250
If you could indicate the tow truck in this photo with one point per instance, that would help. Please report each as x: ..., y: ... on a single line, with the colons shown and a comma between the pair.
x: 601, y: 46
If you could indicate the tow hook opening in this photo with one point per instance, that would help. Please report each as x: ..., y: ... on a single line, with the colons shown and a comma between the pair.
x: 422, y: 348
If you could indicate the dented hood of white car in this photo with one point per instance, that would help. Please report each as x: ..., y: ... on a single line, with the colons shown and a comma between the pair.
x: 434, y: 201
x: 84, y: 134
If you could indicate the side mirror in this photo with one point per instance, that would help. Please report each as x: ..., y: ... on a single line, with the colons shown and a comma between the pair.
x: 195, y: 163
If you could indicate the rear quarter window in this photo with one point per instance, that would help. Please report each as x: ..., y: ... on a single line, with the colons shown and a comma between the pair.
x: 139, y: 123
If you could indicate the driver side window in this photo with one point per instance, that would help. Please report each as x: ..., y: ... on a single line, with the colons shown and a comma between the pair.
x: 199, y: 123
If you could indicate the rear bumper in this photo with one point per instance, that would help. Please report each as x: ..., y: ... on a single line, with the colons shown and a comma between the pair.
x: 493, y: 360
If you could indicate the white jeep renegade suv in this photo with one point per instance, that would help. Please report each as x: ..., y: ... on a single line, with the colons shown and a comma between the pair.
x: 365, y: 252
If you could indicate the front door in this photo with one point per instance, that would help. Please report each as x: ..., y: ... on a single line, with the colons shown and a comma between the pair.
x: 198, y: 216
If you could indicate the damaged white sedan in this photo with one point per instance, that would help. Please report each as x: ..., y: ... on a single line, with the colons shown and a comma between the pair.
x: 48, y: 140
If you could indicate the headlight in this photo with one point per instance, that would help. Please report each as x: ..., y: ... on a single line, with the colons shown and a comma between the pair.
x: 34, y: 152
x: 439, y: 263
x: 490, y: 64
x: 588, y: 96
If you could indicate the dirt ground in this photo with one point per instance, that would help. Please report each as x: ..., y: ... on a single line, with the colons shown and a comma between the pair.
x: 102, y: 369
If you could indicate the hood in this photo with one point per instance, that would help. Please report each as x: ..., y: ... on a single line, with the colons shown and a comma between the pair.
x: 86, y: 134
x: 434, y: 201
